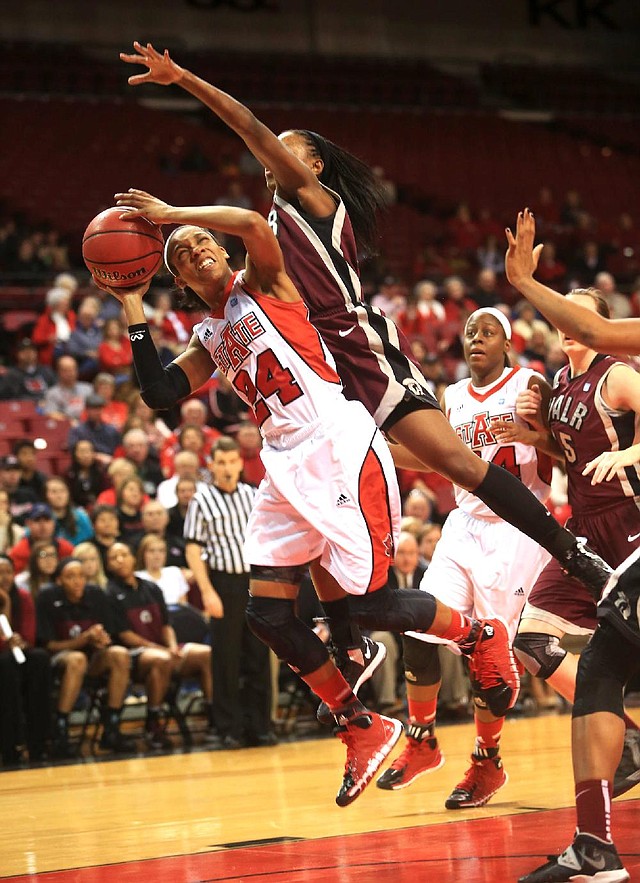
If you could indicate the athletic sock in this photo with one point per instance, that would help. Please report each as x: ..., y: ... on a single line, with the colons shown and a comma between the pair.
x: 459, y: 629
x: 593, y: 806
x: 488, y: 736
x: 422, y: 713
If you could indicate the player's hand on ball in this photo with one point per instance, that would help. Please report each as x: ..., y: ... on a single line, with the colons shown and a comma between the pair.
x: 140, y: 203
x: 162, y: 70
x: 121, y: 293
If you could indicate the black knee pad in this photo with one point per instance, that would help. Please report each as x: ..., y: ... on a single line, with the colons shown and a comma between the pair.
x: 384, y: 609
x: 540, y: 654
x: 421, y: 662
x: 270, y: 574
x: 605, y: 666
x: 274, y: 622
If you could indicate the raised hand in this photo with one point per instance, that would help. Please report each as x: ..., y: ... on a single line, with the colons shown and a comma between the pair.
x: 521, y: 260
x: 162, y: 69
x: 139, y: 203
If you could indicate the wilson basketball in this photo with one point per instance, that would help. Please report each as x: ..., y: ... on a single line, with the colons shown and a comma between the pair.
x: 122, y: 252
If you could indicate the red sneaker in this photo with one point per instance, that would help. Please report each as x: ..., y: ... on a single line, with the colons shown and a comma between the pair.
x: 369, y: 739
x: 481, y: 781
x: 493, y: 669
x: 421, y: 755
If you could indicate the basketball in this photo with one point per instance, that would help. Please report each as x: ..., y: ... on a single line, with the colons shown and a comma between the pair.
x: 122, y: 252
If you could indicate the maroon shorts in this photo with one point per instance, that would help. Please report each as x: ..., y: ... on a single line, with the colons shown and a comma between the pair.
x: 613, y: 533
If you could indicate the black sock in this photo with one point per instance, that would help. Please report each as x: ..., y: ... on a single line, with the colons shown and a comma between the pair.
x: 345, y: 634
x: 510, y: 499
x: 62, y: 721
x: 111, y: 718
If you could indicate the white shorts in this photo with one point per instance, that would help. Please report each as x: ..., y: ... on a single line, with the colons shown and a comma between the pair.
x: 484, y: 569
x: 332, y: 496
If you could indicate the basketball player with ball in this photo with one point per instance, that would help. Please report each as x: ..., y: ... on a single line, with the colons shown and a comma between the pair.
x: 330, y: 494
x: 122, y: 250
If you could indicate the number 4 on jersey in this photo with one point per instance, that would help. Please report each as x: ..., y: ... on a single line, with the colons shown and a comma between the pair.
x: 271, y: 378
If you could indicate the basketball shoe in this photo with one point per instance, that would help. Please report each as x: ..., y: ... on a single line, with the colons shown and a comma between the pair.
x: 492, y: 666
x: 628, y: 772
x: 587, y: 858
x: 585, y: 565
x: 356, y: 666
x: 484, y: 777
x: 421, y: 755
x: 369, y: 739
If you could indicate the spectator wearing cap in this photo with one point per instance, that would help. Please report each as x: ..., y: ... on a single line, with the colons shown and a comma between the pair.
x: 104, y: 437
x: 21, y: 499
x: 76, y: 624
x: 32, y: 480
x: 65, y: 400
x: 40, y: 526
x: 85, y: 338
x: 53, y: 328
x: 28, y: 378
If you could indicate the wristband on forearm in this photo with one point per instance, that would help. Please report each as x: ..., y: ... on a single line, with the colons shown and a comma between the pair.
x: 160, y: 387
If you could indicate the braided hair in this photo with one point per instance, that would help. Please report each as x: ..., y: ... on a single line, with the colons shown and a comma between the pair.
x: 354, y: 182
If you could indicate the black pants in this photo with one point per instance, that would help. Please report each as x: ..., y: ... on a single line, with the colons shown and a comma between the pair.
x: 240, y: 664
x: 25, y: 703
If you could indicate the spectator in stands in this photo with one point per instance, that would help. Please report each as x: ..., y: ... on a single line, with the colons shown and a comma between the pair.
x: 53, y: 328
x: 27, y: 266
x: 173, y: 325
x: 10, y: 531
x: 92, y: 568
x: 143, y: 626
x: 114, y: 352
x: 104, y: 437
x: 485, y: 292
x: 40, y: 526
x: 151, y: 563
x: 391, y: 296
x: 589, y: 261
x: 136, y: 448
x: 20, y: 499
x: 524, y: 325
x: 141, y: 416
x: 86, y: 476
x: 65, y: 400
x: 193, y: 412
x: 106, y: 529
x: 129, y: 500
x: 32, y: 480
x: 72, y: 522
x: 76, y: 624
x: 572, y: 210
x: 551, y: 270
x: 86, y: 337
x: 54, y: 251
x: 463, y: 232
x: 619, y: 305
x: 419, y: 504
x: 25, y: 690
x: 185, y: 490
x: 43, y: 560
x: 119, y: 469
x: 490, y: 255
x: 114, y: 412
x: 250, y: 441
x: 426, y: 295
x: 536, y: 349
x: 186, y: 465
x: 457, y: 303
x: 428, y: 541
x: 155, y: 520
x: 28, y: 378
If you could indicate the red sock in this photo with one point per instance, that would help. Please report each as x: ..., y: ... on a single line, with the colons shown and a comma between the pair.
x: 489, y: 733
x: 629, y: 723
x: 335, y: 691
x: 459, y: 628
x: 593, y: 806
x: 422, y: 713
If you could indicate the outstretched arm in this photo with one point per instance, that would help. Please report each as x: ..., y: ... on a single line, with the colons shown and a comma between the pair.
x: 294, y: 178
x: 596, y: 332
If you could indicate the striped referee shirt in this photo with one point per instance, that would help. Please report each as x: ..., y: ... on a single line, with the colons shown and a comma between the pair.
x: 217, y: 521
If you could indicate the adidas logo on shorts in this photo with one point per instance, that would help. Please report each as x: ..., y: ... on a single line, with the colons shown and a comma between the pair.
x: 342, y: 500
x: 519, y: 592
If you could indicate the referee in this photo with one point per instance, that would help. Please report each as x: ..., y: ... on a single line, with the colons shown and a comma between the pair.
x: 214, y: 530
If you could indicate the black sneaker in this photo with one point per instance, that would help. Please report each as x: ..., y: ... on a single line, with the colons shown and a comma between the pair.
x: 114, y: 740
x: 588, y: 858
x: 356, y: 666
x: 628, y: 772
x: 156, y: 739
x: 583, y: 564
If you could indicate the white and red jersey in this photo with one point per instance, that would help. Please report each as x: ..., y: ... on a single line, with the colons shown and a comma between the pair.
x: 471, y: 411
x: 275, y: 359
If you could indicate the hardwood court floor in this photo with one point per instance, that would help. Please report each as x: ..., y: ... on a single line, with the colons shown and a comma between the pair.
x: 269, y: 813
